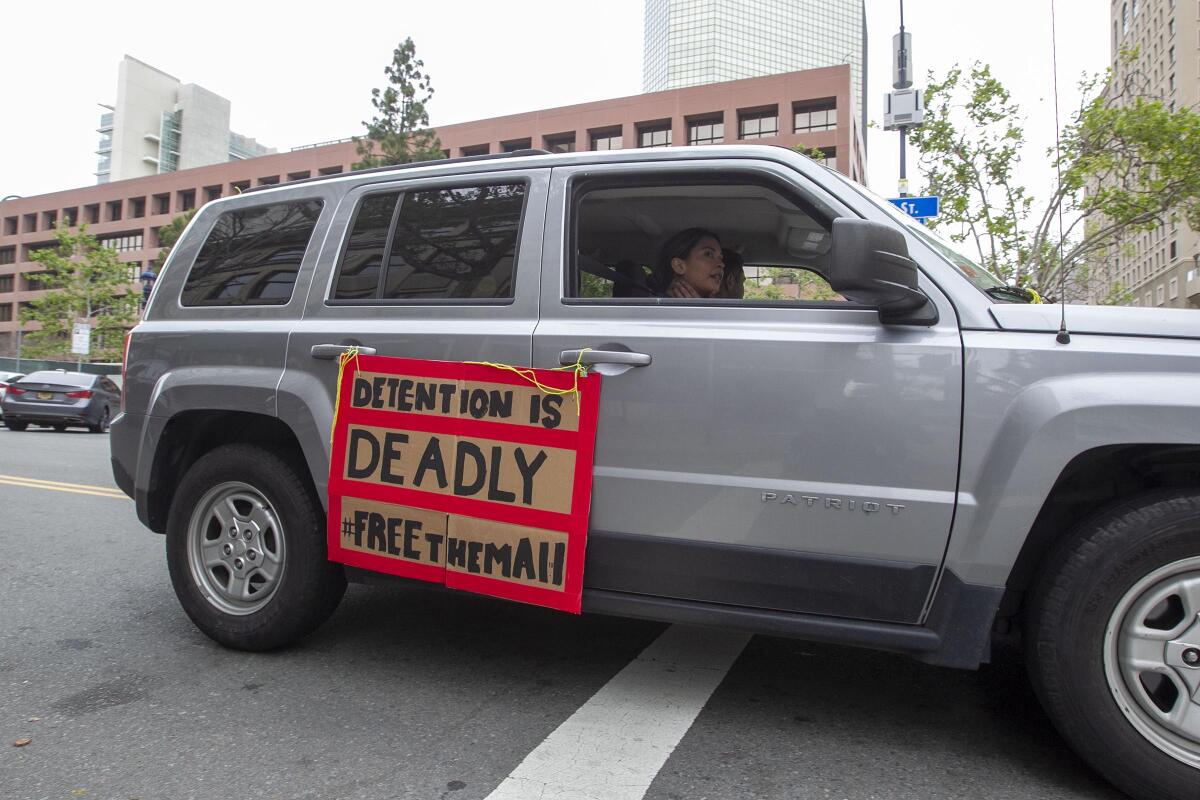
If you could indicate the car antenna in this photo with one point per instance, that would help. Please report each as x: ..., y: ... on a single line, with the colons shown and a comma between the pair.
x: 1063, y: 337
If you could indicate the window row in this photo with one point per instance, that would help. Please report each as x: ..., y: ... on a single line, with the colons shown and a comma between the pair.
x: 694, y: 238
x: 809, y: 116
x: 177, y: 202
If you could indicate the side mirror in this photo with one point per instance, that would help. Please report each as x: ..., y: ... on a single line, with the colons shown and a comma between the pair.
x: 869, y: 264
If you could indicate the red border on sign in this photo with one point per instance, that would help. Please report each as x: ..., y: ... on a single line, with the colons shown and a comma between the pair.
x: 574, y: 524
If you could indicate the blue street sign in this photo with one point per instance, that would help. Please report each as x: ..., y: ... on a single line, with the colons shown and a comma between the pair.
x: 916, y: 207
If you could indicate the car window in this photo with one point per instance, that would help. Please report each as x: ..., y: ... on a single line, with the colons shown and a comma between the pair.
x: 60, y: 378
x: 774, y: 244
x: 252, y: 255
x: 438, y: 244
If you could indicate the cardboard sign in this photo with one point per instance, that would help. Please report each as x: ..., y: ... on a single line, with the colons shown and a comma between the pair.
x: 464, y: 474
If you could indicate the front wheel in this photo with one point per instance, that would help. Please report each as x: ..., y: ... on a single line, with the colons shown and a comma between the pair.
x: 246, y: 550
x: 1113, y: 644
x: 13, y: 425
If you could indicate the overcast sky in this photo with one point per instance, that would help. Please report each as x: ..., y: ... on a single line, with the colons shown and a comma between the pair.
x: 302, y: 73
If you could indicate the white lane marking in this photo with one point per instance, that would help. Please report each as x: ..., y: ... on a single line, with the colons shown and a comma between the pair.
x: 615, y: 744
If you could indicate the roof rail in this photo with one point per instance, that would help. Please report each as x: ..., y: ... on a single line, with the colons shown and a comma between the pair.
x: 409, y: 165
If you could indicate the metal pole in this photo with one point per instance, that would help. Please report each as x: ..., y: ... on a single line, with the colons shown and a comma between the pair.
x: 903, y: 65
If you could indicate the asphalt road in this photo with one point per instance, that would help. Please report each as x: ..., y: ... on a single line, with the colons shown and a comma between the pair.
x: 408, y: 693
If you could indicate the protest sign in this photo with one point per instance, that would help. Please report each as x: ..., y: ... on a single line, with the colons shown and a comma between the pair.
x: 472, y: 475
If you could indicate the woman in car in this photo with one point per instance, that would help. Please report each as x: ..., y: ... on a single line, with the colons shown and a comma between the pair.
x: 689, y: 265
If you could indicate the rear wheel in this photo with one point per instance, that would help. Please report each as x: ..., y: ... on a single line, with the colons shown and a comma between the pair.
x: 246, y: 550
x: 60, y: 428
x: 1114, y: 644
x: 102, y: 425
x: 13, y: 425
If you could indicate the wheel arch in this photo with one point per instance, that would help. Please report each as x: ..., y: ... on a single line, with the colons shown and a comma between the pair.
x: 1093, y: 481
x: 189, y: 435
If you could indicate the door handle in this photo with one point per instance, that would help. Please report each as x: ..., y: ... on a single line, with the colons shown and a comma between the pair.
x: 593, y: 357
x: 328, y: 352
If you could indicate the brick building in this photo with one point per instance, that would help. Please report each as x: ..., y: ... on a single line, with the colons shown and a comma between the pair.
x: 812, y: 108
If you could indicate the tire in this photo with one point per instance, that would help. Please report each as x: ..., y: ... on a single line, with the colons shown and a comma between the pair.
x: 1125, y: 582
x: 13, y: 425
x: 102, y: 425
x: 270, y: 585
x: 59, y: 428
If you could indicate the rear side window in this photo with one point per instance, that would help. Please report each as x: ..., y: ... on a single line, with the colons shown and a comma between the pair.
x: 252, y: 255
x: 440, y: 244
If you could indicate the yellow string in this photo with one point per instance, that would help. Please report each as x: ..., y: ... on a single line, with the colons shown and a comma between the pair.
x: 348, y: 355
x: 577, y: 369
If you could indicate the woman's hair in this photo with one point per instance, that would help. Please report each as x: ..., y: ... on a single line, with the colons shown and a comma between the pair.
x: 735, y: 274
x: 678, y: 246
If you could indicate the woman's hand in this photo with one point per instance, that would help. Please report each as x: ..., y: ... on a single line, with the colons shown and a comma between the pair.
x: 682, y: 291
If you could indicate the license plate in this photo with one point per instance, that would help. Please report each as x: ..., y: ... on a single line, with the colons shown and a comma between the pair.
x: 45, y: 395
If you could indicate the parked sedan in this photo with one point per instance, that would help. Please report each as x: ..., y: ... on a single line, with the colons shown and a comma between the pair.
x: 61, y: 399
x: 5, y: 379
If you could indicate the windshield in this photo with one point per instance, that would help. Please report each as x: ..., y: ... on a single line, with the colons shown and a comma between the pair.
x: 980, y: 277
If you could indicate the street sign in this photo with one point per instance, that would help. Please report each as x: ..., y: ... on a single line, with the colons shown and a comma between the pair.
x: 81, y: 339
x: 917, y: 207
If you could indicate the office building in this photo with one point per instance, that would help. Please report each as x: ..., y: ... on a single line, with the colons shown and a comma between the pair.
x: 1159, y: 268
x: 162, y: 125
x: 126, y: 215
x: 693, y: 42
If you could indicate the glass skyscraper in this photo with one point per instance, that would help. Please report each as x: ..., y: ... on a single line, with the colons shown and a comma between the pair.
x: 690, y: 42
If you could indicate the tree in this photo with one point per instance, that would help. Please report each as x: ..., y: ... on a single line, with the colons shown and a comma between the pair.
x: 1127, y: 163
x: 169, y: 234
x: 399, y: 129
x: 85, y: 282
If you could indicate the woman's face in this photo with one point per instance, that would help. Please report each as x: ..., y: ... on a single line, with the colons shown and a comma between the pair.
x: 703, y: 268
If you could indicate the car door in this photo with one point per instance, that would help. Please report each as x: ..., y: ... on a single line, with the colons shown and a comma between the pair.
x: 783, y: 455
x: 425, y: 267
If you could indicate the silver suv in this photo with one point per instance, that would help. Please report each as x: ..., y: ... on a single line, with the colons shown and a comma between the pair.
x: 869, y: 441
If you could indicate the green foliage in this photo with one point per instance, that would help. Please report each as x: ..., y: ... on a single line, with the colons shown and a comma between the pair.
x: 399, y: 133
x: 1127, y: 164
x: 85, y: 281
x: 169, y: 234
x: 970, y: 144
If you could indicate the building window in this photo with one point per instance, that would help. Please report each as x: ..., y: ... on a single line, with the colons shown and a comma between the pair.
x: 1172, y: 250
x: 123, y: 244
x: 609, y: 139
x: 758, y: 123
x: 10, y: 226
x: 560, y: 143
x: 237, y: 187
x: 1171, y: 82
x: 654, y: 134
x: 6, y: 283
x: 135, y: 271
x: 1146, y: 301
x: 162, y: 203
x: 292, y: 176
x: 269, y: 180
x: 1171, y: 54
x: 49, y: 220
x: 1171, y: 27
x: 30, y: 223
x: 474, y: 150
x: 112, y: 210
x: 1124, y: 18
x: 8, y: 255
x: 828, y: 157
x: 815, y: 115
x: 212, y: 193
x: 1174, y: 288
x: 709, y: 130
x: 337, y: 170
x: 1160, y: 294
x: 6, y: 313
x: 515, y: 145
